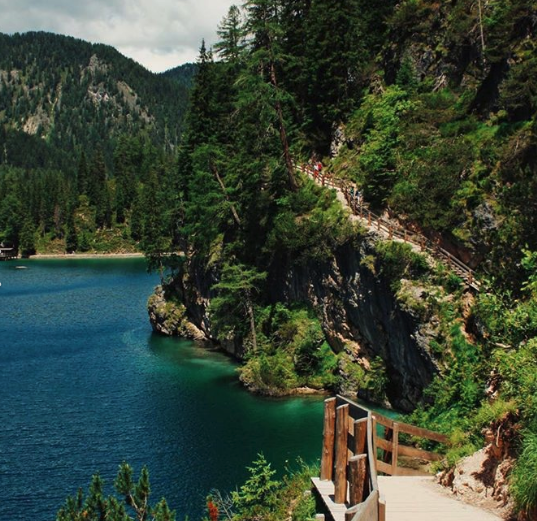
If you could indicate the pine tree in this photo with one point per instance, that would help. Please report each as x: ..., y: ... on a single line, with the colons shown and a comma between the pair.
x: 231, y: 44
x: 27, y: 238
x: 82, y: 175
x: 236, y: 294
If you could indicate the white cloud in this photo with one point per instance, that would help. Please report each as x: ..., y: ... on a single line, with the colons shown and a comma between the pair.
x: 159, y: 34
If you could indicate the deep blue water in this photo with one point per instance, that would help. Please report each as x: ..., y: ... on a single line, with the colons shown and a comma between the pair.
x: 85, y: 385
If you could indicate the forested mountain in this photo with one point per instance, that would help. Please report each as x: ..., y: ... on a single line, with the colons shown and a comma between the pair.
x: 184, y: 74
x: 74, y: 95
x: 85, y: 137
x: 430, y: 109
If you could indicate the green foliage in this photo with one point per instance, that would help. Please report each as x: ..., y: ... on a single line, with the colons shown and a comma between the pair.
x: 292, y: 352
x: 133, y: 499
x: 309, y: 226
x: 234, y: 304
x: 455, y: 395
x: 518, y: 370
x: 398, y: 260
x: 258, y: 493
x: 78, y: 95
x: 264, y: 499
x: 523, y: 484
x: 377, y: 126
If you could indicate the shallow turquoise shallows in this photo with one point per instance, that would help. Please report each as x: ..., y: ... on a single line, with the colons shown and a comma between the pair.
x: 85, y: 384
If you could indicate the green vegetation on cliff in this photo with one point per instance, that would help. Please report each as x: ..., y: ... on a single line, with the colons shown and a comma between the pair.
x: 432, y: 109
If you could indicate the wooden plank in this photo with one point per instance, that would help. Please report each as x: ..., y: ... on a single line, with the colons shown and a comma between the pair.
x: 413, y: 452
x: 327, y: 457
x: 420, y: 499
x: 384, y: 444
x: 342, y: 433
x: 411, y: 429
x: 384, y: 467
x: 325, y: 490
x: 360, y: 436
x: 382, y: 509
x: 369, y: 509
x: 405, y: 471
x: 374, y: 432
x: 395, y: 447
x: 357, y: 478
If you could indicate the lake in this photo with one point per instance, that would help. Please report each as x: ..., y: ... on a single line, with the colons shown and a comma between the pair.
x: 85, y: 385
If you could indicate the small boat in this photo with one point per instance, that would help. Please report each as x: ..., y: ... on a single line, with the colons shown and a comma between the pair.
x: 21, y: 267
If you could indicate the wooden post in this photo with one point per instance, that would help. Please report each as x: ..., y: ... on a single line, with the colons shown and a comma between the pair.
x: 342, y: 432
x: 322, y: 179
x: 395, y: 448
x: 374, y: 429
x: 327, y: 458
x: 360, y: 436
x: 404, y: 237
x: 388, y: 436
x: 378, y: 225
x: 357, y: 469
x: 382, y: 509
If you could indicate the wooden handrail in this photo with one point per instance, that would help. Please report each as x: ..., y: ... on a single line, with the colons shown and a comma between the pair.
x: 460, y: 268
x: 349, y: 458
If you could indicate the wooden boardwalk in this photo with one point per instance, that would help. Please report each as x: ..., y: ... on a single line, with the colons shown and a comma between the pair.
x: 389, y: 229
x: 358, y: 445
x: 420, y: 499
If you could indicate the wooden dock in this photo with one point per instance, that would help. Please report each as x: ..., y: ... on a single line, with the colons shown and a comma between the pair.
x: 7, y: 253
x: 358, y: 444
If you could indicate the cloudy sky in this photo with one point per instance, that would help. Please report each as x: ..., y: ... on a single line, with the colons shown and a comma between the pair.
x: 159, y: 34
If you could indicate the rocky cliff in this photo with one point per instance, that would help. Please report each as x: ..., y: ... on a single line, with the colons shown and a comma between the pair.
x: 359, y: 312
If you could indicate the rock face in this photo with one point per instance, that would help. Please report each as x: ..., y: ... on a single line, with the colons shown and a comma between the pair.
x: 482, y: 480
x: 358, y: 311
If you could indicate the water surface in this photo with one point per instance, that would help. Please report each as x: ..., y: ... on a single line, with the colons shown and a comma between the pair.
x: 85, y: 385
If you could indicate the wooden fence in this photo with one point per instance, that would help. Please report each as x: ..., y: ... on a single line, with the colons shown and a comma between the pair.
x: 394, y: 230
x: 387, y: 445
x: 357, y: 444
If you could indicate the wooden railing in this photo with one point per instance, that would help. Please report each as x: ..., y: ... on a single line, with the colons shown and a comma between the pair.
x: 350, y: 460
x: 394, y: 230
x: 348, y: 480
x: 392, y: 452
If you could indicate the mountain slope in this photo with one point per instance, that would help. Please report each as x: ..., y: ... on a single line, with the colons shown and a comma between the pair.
x: 73, y: 95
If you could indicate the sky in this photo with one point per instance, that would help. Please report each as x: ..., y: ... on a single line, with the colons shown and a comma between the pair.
x: 159, y: 34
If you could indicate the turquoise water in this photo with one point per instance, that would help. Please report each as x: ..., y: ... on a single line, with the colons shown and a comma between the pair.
x: 85, y: 384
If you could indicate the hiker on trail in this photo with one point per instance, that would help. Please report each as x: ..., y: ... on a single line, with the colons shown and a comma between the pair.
x: 315, y: 171
x: 352, y: 192
x: 319, y: 167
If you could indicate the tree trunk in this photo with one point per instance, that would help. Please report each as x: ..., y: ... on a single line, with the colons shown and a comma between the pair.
x: 283, y: 134
x: 223, y: 187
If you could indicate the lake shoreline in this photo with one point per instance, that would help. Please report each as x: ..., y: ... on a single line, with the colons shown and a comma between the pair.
x: 41, y: 256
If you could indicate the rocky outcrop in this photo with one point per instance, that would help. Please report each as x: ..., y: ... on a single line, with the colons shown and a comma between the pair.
x: 169, y: 318
x: 359, y: 313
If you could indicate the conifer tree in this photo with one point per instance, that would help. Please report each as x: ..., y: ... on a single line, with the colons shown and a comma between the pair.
x: 231, y: 43
x: 27, y: 238
x: 82, y: 174
x: 265, y: 38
